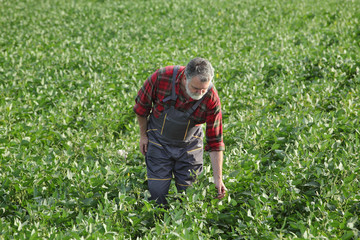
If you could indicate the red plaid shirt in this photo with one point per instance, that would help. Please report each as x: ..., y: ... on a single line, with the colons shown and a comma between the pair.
x: 158, y: 86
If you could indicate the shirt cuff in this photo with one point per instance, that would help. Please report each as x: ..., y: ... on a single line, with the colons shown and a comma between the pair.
x: 215, y: 147
x: 141, y: 111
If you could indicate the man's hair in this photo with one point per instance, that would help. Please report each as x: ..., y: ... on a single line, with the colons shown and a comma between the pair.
x: 199, y: 67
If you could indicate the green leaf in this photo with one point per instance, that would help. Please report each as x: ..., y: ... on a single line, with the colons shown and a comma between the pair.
x: 347, y: 235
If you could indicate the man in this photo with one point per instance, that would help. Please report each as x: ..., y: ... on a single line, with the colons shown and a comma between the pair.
x: 170, y: 107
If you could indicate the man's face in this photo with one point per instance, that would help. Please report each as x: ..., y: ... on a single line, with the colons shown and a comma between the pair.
x: 195, y: 88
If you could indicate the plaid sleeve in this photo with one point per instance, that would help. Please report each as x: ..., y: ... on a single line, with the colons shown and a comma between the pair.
x: 144, y: 98
x: 214, y: 129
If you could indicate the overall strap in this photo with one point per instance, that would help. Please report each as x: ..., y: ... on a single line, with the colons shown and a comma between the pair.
x: 173, y: 95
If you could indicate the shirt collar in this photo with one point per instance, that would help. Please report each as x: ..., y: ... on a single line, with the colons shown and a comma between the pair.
x: 178, y: 90
x: 180, y: 75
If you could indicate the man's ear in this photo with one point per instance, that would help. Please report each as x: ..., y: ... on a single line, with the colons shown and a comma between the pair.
x: 183, y: 79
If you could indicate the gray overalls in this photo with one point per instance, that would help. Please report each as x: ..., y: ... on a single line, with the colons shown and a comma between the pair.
x: 175, y: 148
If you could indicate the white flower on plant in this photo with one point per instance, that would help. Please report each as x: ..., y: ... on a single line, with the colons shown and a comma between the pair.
x: 122, y: 153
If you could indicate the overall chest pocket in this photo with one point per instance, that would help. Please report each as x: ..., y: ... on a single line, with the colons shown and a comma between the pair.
x: 177, y: 125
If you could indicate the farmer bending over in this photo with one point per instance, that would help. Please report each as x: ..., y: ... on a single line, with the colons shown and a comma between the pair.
x: 170, y: 107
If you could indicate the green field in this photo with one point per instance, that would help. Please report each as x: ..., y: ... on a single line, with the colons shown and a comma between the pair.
x: 288, y: 76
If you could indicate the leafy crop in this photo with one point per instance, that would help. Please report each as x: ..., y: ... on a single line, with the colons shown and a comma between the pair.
x: 288, y: 75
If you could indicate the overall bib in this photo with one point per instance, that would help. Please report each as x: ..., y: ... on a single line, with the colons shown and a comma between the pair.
x: 175, y: 148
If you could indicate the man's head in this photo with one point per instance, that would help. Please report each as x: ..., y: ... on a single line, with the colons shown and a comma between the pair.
x: 199, y: 67
x: 199, y: 74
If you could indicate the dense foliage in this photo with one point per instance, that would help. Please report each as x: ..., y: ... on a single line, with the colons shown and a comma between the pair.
x: 288, y: 75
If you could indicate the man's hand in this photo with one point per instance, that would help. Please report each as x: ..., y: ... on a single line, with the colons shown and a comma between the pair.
x: 221, y: 189
x: 217, y: 162
x: 144, y: 141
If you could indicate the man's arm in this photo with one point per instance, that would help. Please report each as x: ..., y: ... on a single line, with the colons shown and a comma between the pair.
x: 217, y: 162
x: 144, y: 141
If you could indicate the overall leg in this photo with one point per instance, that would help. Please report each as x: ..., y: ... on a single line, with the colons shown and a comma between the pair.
x: 159, y: 171
x: 189, y: 164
